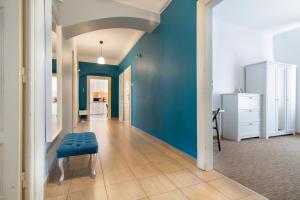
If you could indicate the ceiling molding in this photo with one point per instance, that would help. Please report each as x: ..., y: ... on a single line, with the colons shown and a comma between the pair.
x: 285, y: 29
x: 130, y: 45
x: 145, y: 7
x: 109, y: 23
x: 165, y: 6
x: 82, y: 16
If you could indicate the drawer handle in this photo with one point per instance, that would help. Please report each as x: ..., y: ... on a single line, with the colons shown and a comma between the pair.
x: 250, y: 110
x: 250, y: 124
x: 250, y: 97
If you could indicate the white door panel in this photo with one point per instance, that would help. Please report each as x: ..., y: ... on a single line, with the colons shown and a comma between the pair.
x: 121, y: 97
x: 127, y: 95
x: 291, y: 99
x: 280, y: 99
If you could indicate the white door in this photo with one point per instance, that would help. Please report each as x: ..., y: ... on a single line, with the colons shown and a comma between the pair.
x: 10, y: 99
x: 127, y: 95
x: 121, y: 97
x: 291, y: 99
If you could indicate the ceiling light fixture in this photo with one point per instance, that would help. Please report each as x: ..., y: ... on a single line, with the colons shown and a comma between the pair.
x: 101, y: 60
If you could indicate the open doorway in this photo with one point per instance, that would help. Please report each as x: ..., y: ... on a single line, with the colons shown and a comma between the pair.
x: 99, y: 97
x: 252, y: 67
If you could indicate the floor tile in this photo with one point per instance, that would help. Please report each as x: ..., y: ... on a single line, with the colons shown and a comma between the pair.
x: 207, y: 176
x: 76, y: 196
x: 125, y: 191
x: 203, y: 192
x: 81, y: 172
x: 230, y: 189
x: 157, y: 157
x: 54, y: 190
x: 137, y: 160
x: 95, y: 194
x: 168, y: 166
x: 91, y: 194
x: 144, y: 171
x: 157, y: 185
x: 186, y: 163
x: 86, y: 182
x: 183, y: 178
x: 131, y: 165
x: 112, y: 164
x: 63, y: 197
x: 174, y: 195
x: 118, y: 176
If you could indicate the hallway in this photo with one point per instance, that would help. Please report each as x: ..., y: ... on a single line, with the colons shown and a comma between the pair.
x: 134, y: 166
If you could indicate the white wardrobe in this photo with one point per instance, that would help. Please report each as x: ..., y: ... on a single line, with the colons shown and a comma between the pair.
x: 277, y: 84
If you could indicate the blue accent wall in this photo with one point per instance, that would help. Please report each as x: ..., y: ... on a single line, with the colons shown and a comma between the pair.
x: 93, y: 69
x: 164, y: 78
x: 54, y: 66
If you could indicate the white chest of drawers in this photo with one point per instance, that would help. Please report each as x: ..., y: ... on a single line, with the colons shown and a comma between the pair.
x: 242, y: 117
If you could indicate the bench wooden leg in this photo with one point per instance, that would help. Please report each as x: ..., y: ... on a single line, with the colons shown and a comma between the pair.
x: 61, y: 167
x: 94, y: 161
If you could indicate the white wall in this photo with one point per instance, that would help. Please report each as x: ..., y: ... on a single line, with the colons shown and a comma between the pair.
x: 286, y: 49
x: 233, y: 48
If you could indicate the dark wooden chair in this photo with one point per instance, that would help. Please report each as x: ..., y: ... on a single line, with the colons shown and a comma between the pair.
x: 216, y: 127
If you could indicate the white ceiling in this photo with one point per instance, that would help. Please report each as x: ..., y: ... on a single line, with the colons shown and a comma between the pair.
x: 263, y: 15
x: 117, y: 43
x: 156, y: 6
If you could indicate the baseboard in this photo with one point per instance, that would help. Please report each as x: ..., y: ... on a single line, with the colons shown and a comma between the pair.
x: 168, y: 146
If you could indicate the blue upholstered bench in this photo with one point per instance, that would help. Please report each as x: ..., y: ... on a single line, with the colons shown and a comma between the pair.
x: 76, y: 144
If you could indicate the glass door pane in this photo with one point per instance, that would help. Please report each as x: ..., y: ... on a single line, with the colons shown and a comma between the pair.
x: 280, y: 99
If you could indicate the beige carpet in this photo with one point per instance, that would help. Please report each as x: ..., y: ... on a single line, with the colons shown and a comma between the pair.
x: 269, y: 167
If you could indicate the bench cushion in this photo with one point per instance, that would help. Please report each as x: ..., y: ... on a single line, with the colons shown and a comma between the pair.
x: 75, y: 144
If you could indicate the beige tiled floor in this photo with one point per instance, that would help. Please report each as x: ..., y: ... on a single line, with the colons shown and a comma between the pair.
x: 132, y: 166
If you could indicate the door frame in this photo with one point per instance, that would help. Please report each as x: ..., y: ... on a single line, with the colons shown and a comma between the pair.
x: 130, y: 101
x: 75, y: 89
x: 121, y: 97
x: 35, y: 61
x: 204, y: 84
x: 89, y: 78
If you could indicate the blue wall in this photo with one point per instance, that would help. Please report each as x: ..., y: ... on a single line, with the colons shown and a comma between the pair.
x: 54, y: 66
x: 164, y: 78
x: 93, y: 69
